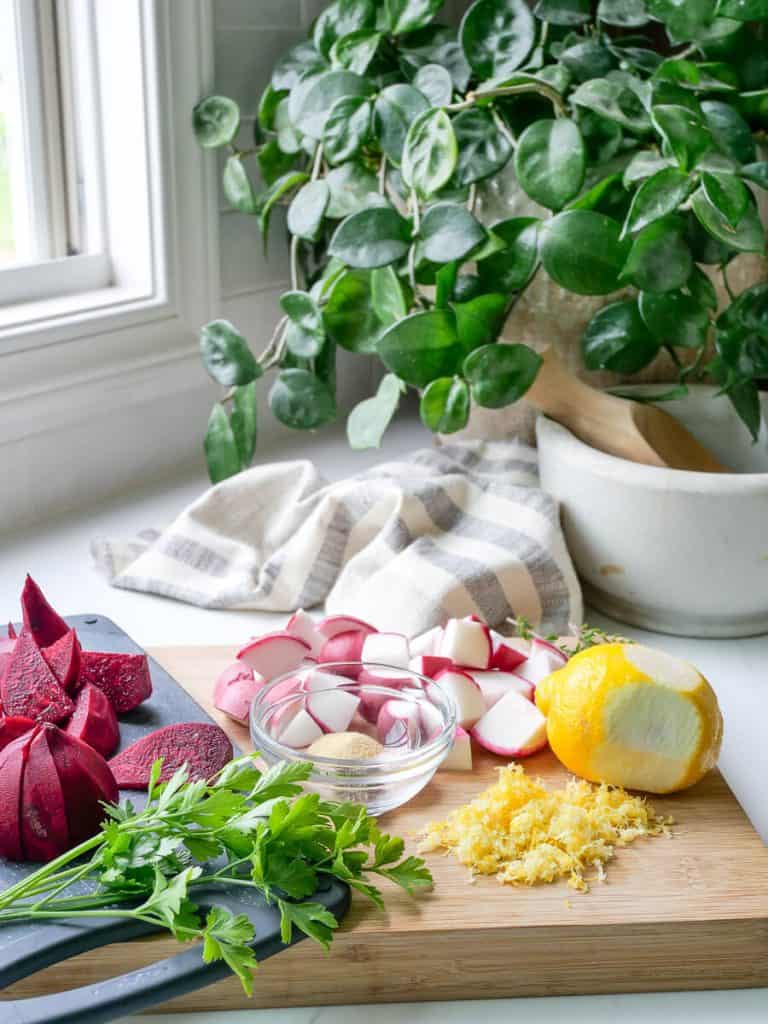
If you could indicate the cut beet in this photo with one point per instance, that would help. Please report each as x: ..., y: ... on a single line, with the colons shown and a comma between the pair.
x: 29, y: 688
x: 7, y: 645
x: 124, y: 678
x: 94, y: 721
x: 12, y: 634
x: 13, y: 726
x: 13, y: 759
x: 86, y: 782
x: 202, y: 746
x: 63, y: 659
x: 44, y: 622
x: 44, y: 829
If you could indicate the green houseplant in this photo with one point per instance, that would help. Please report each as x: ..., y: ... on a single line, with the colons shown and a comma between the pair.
x: 635, y: 123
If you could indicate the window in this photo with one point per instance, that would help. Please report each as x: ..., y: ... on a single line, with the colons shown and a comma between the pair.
x: 51, y: 219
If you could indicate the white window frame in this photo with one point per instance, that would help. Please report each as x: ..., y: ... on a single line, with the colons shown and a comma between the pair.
x: 68, y: 359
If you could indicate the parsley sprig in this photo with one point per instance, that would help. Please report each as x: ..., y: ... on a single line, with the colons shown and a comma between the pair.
x: 244, y: 827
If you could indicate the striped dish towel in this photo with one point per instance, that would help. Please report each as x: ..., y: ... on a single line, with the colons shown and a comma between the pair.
x: 449, y: 531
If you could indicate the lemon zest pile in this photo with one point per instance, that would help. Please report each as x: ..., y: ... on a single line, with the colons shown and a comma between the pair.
x: 525, y: 833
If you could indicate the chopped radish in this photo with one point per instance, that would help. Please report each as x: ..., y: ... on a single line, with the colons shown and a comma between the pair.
x: 300, y: 731
x: 426, y: 643
x: 334, y: 624
x: 429, y: 665
x: 398, y: 723
x: 317, y: 680
x: 514, y: 727
x: 342, y: 647
x: 465, y: 694
x: 505, y: 655
x: 459, y: 758
x: 543, y: 659
x: 394, y: 678
x: 466, y: 643
x: 495, y: 685
x: 287, y: 687
x: 431, y: 719
x: 333, y: 710
x: 234, y: 691
x: 273, y: 654
x: 371, y: 700
x: 302, y: 626
x: 387, y: 649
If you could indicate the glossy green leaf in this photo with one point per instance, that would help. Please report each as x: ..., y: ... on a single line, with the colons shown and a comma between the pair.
x: 731, y: 133
x: 644, y: 164
x: 747, y: 236
x: 310, y: 106
x: 607, y: 196
x: 422, y: 347
x: 371, y: 238
x: 728, y: 194
x: 684, y: 131
x: 588, y: 59
x: 268, y: 104
x: 273, y: 163
x: 659, y: 195
x: 563, y: 12
x: 216, y: 121
x: 602, y: 138
x: 349, y: 315
x: 434, y: 81
x: 307, y: 209
x: 237, y: 186
x: 226, y: 355
x: 371, y: 417
x: 436, y: 44
x: 395, y: 110
x: 352, y: 188
x: 496, y: 36
x: 674, y: 318
x: 550, y: 162
x: 449, y: 232
x: 306, y: 334
x: 702, y: 289
x: 339, y: 19
x: 751, y: 309
x: 279, y: 188
x: 617, y: 339
x: 387, y: 296
x: 483, y: 149
x: 684, y: 19
x: 757, y: 173
x: 745, y: 398
x: 743, y: 10
x: 660, y: 259
x: 444, y: 406
x: 298, y: 399
x: 582, y: 252
x: 479, y: 320
x: 612, y: 99
x: 430, y: 153
x: 302, y: 59
x: 445, y: 282
x: 623, y: 13
x: 244, y: 422
x: 356, y: 50
x: 288, y: 139
x: 408, y: 15
x: 510, y: 269
x: 347, y: 128
x: 500, y: 374
x: 221, y: 452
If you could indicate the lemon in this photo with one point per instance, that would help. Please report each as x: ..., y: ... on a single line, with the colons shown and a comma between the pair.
x: 632, y: 716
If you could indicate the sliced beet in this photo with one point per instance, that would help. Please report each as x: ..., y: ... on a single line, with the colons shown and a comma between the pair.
x: 13, y: 759
x: 63, y: 659
x: 13, y: 726
x: 29, y: 688
x: 44, y: 828
x: 93, y: 721
x: 86, y: 782
x: 43, y: 621
x: 203, y: 746
x: 124, y: 678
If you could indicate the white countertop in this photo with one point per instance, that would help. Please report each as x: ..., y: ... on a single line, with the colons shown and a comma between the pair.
x: 57, y: 555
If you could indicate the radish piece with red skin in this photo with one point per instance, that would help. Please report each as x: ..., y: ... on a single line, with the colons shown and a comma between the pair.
x: 459, y: 758
x: 344, y: 647
x: 495, y: 685
x: 86, y: 782
x: 202, y: 746
x: 318, y: 680
x: 94, y: 720
x: 44, y: 828
x: 43, y: 621
x: 63, y: 659
x: 333, y: 709
x: 124, y: 678
x: 29, y: 688
x: 430, y: 717
x: 234, y: 691
x: 303, y: 626
x: 426, y: 643
x: 273, y: 654
x: 466, y: 643
x: 13, y: 759
x: 505, y: 657
x: 371, y: 700
x: 514, y: 727
x: 429, y: 665
x: 465, y: 694
x: 14, y: 726
x: 544, y: 659
x: 389, y: 649
x: 300, y: 731
x: 398, y: 723
x: 332, y: 625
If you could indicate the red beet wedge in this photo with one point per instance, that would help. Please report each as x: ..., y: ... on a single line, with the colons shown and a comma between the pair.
x: 11, y: 727
x: 44, y: 828
x: 86, y: 781
x: 93, y: 721
x: 203, y: 746
x: 11, y: 631
x: 13, y: 759
x: 46, y: 625
x: 124, y: 678
x: 63, y: 659
x: 29, y: 688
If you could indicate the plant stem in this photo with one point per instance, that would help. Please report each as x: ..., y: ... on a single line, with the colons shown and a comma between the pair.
x: 726, y: 282
x: 504, y: 129
x: 471, y: 99
x: 29, y: 884
x: 383, y: 175
x: 295, y: 241
x: 416, y: 215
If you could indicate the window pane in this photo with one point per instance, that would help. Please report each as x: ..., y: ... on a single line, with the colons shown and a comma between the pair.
x: 12, y: 203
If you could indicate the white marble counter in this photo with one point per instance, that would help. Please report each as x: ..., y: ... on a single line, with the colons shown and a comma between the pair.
x: 57, y: 554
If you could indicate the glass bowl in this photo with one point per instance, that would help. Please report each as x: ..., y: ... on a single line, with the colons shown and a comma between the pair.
x: 407, y: 713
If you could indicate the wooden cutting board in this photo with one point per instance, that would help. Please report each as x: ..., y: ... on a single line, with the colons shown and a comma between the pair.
x: 687, y: 912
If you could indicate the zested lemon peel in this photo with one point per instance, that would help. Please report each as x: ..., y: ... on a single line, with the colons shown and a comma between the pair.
x: 525, y: 834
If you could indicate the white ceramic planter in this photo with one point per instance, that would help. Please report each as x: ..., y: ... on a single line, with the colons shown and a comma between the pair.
x: 682, y: 553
